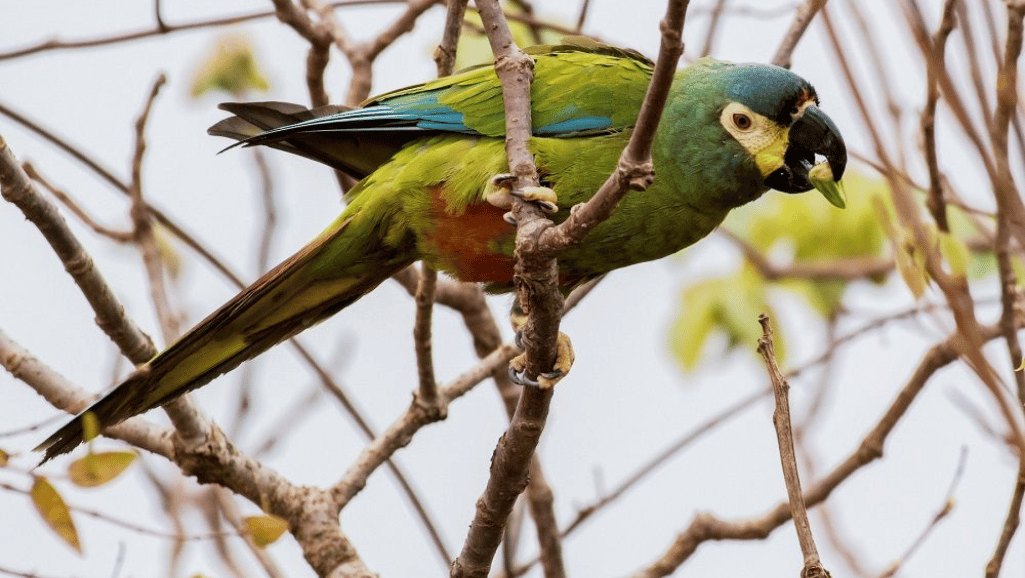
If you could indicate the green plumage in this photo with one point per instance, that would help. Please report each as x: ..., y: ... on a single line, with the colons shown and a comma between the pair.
x: 426, y: 156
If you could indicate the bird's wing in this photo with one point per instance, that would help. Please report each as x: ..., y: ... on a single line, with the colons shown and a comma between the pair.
x: 580, y: 88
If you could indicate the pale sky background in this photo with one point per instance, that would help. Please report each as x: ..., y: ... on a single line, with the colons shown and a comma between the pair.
x: 625, y: 400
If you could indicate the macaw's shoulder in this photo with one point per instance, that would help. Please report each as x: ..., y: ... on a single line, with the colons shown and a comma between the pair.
x: 580, y: 87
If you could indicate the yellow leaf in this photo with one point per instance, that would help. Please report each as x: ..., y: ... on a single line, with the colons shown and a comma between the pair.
x: 55, y: 512
x: 908, y: 258
x: 99, y: 468
x: 90, y: 426
x: 955, y: 253
x: 231, y: 68
x: 265, y: 529
x: 4, y: 458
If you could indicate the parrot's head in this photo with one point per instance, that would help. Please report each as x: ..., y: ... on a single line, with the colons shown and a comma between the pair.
x: 774, y: 114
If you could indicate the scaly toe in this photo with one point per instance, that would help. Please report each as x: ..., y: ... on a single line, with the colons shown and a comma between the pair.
x: 563, y: 362
x: 543, y: 197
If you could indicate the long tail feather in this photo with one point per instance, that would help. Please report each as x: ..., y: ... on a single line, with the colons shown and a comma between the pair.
x: 300, y: 292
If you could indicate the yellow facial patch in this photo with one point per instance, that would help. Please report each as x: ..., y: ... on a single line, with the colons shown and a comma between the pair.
x: 765, y: 139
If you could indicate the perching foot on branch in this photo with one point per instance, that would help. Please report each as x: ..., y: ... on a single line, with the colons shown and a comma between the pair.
x: 505, y: 191
x: 518, y: 365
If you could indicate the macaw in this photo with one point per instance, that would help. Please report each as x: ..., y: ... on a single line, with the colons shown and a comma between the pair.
x: 426, y: 156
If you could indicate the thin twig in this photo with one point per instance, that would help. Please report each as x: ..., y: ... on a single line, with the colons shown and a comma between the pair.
x: 126, y: 524
x: 582, y: 17
x: 16, y: 188
x: 143, y: 225
x: 62, y: 394
x: 838, y: 269
x: 955, y: 287
x: 715, y: 18
x: 706, y: 527
x: 951, y: 96
x: 941, y: 514
x: 166, y: 29
x: 784, y: 434
x: 67, y: 201
x: 934, y: 63
x: 1009, y: 213
x: 445, y: 54
x: 226, y: 506
x: 802, y: 18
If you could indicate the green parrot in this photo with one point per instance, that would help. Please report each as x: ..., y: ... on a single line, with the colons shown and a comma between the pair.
x: 427, y: 157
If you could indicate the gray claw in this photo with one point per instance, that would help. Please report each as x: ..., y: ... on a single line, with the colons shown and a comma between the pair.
x: 509, y: 218
x: 504, y: 180
x: 520, y: 378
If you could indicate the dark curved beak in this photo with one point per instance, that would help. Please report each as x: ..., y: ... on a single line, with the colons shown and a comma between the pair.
x: 814, y: 133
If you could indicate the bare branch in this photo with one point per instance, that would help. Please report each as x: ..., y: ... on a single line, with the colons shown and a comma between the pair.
x: 802, y: 18
x: 851, y: 269
x: 1010, y: 224
x: 400, y: 433
x: 715, y: 18
x: 185, y: 416
x: 582, y: 17
x: 445, y: 54
x: 934, y: 63
x: 428, y: 393
x: 785, y: 437
x: 165, y: 29
x: 941, y: 514
x: 954, y: 287
x: 509, y: 465
x: 706, y: 527
x: 143, y: 226
x: 67, y: 201
x: 127, y: 524
x: 64, y: 395
x: 16, y: 188
x: 634, y: 169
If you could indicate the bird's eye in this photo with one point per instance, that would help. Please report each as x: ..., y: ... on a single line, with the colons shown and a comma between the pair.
x: 742, y: 121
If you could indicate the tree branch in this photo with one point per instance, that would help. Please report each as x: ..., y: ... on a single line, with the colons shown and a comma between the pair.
x: 791, y: 476
x: 706, y: 527
x: 802, y: 18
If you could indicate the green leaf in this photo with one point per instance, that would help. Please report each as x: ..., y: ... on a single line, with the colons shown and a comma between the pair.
x: 54, y: 511
x: 96, y: 469
x: 727, y: 306
x: 231, y: 68
x: 694, y: 322
x: 265, y: 529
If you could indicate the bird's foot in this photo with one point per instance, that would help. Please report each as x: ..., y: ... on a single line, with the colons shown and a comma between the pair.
x: 543, y: 197
x: 563, y: 362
